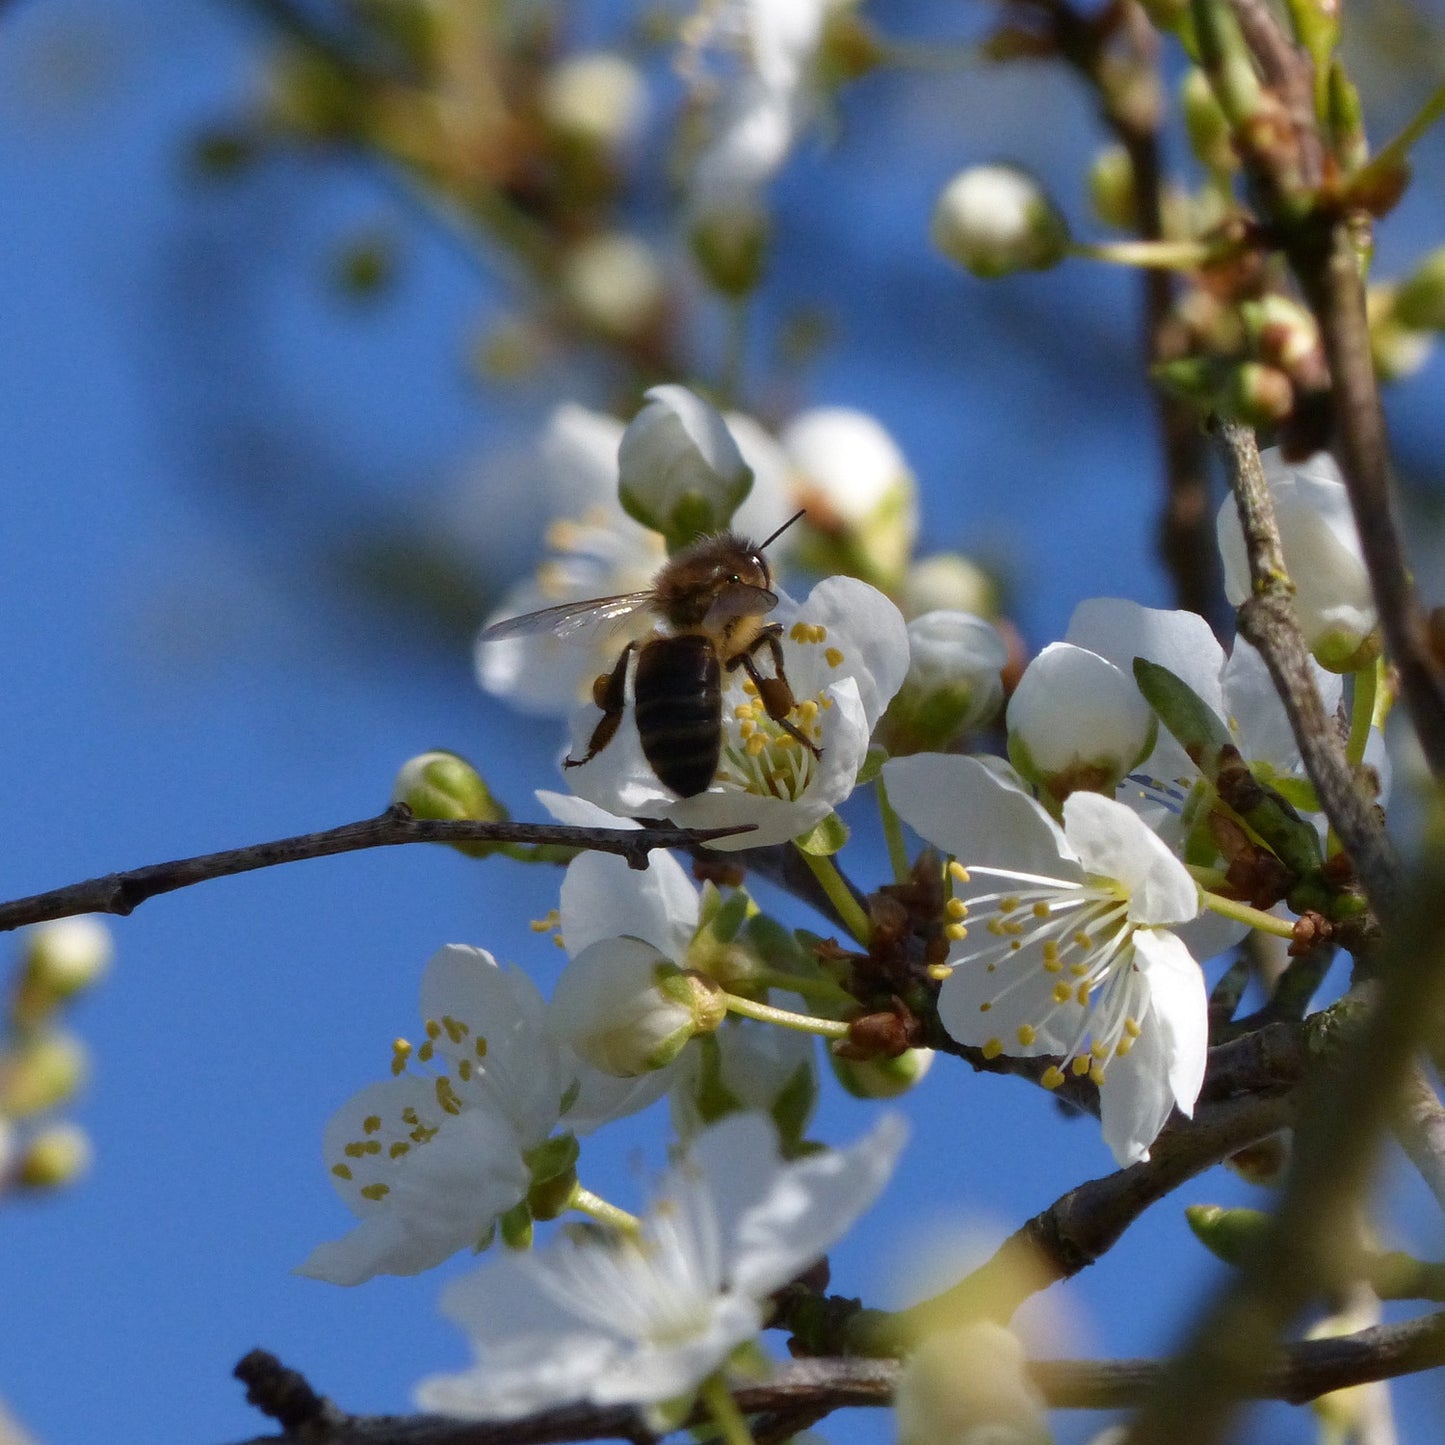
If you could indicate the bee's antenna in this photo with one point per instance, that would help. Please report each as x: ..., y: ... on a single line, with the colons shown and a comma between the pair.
x: 801, y: 512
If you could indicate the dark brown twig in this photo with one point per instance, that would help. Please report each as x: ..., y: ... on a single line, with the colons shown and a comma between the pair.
x: 123, y: 892
x: 1299, y: 1372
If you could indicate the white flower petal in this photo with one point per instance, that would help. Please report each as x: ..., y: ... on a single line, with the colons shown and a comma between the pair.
x: 603, y: 897
x: 1113, y: 842
x: 1179, y: 1008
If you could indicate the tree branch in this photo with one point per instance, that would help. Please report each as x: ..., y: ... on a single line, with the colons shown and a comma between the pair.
x: 123, y: 892
x: 1298, y: 1373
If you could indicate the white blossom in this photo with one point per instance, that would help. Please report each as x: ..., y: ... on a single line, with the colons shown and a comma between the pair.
x: 1066, y: 945
x: 969, y: 1386
x: 645, y: 1320
x: 996, y: 219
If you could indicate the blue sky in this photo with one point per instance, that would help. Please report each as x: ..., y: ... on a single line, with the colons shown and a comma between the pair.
x: 192, y: 428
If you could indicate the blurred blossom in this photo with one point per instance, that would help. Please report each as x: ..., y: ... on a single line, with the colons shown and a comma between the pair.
x: 948, y: 581
x: 610, y: 1319
x: 598, y: 98
x: 1333, y: 599
x: 66, y: 955
x: 970, y: 1387
x: 615, y: 282
x: 53, y: 1157
x: 746, y: 1065
x: 954, y: 682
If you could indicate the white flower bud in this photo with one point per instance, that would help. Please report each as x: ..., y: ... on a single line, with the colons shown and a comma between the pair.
x: 445, y: 785
x: 626, y: 1009
x: 45, y: 1070
x: 948, y: 581
x: 997, y: 219
x: 859, y: 493
x: 1333, y: 600
x: 882, y: 1078
x: 1076, y: 721
x: 680, y: 471
x: 67, y: 955
x: 614, y: 281
x: 598, y: 99
x: 969, y: 1387
x: 954, y: 682
x: 54, y: 1157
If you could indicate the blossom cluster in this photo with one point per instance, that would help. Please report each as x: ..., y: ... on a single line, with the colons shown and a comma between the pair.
x: 1075, y: 882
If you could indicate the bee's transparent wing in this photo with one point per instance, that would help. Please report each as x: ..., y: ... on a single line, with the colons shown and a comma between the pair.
x: 568, y: 617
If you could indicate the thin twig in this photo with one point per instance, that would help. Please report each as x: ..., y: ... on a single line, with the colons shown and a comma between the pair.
x: 1420, y: 1128
x: 1267, y: 619
x: 1298, y: 1373
x: 122, y: 892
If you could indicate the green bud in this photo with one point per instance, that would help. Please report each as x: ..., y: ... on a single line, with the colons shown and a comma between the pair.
x: 882, y: 1078
x: 1205, y: 121
x: 1257, y: 394
x: 994, y: 220
x: 446, y: 787
x: 54, y: 1157
x: 1112, y: 191
x: 1420, y: 297
x: 1228, y: 1234
x: 1282, y: 331
x: 46, y: 1069
x: 731, y: 248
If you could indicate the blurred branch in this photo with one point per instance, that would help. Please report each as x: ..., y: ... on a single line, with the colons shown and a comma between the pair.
x: 1267, y: 619
x: 1420, y: 1128
x: 123, y: 892
x: 1300, y: 1372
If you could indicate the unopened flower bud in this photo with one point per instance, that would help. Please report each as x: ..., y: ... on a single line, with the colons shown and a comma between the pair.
x: 858, y: 492
x: 954, y: 682
x: 882, y: 1078
x: 1283, y: 332
x: 1333, y: 600
x: 997, y: 219
x: 67, y: 955
x: 1206, y: 122
x: 679, y: 470
x: 968, y: 1386
x: 1228, y: 1234
x: 44, y: 1070
x: 1420, y: 298
x: 597, y: 99
x: 627, y: 1009
x: 1112, y: 191
x: 446, y: 787
x: 1076, y: 721
x: 948, y: 582
x: 54, y: 1157
x: 1257, y: 394
x: 615, y: 283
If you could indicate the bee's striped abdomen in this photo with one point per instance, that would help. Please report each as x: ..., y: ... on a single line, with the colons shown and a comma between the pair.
x: 678, y: 695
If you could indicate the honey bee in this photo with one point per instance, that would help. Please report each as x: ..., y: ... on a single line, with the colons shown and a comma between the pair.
x: 710, y: 599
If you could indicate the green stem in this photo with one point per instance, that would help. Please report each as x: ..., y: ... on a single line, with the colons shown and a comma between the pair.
x: 1362, y: 710
x: 822, y: 989
x: 840, y: 896
x: 785, y: 1018
x: 730, y: 1421
x: 1156, y: 255
x: 1392, y: 154
x: 584, y: 1201
x: 893, y: 835
x: 1243, y: 913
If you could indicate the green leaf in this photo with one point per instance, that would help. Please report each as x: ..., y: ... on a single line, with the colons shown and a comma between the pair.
x: 1195, y: 725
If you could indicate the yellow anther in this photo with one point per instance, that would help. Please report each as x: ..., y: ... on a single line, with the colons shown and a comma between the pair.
x: 446, y: 1096
x: 456, y: 1029
x: 399, y: 1148
x: 1062, y: 993
x: 1121, y: 1049
x: 1100, y: 1052
x: 426, y: 1051
x: 956, y: 931
x: 1050, y: 951
x: 750, y: 687
x: 958, y: 872
x: 1081, y: 1064
x: 939, y: 971
x: 374, y: 1192
x: 824, y: 702
x: 1082, y: 939
x: 400, y: 1053
x: 409, y: 1116
x: 992, y: 968
x: 1082, y: 994
x: 995, y: 927
x: 558, y: 941
x: 1053, y: 1077
x: 1052, y: 965
x: 1097, y: 1075
x: 833, y: 657
x: 1078, y: 969
x: 1014, y: 946
x: 743, y: 710
x: 993, y: 1048
x: 371, y: 1124
x: 1012, y: 928
x: 746, y: 729
x: 799, y: 631
x: 433, y: 1029
x: 1131, y: 1027
x: 807, y: 710
x: 1007, y: 905
x: 354, y: 1149
x: 1026, y: 1034
x: 341, y: 1171
x: 756, y: 744
x: 1041, y: 909
x: 464, y: 1070
x: 983, y: 1008
x: 956, y: 908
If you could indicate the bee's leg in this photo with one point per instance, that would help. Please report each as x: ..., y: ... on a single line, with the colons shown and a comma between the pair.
x: 609, y: 692
x: 775, y: 693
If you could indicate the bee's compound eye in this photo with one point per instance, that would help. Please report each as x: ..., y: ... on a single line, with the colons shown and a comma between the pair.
x: 735, y: 578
